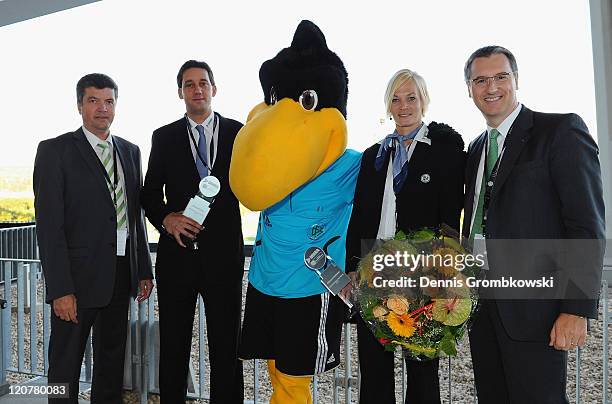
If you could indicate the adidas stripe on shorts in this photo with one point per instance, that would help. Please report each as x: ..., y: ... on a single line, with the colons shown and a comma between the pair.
x: 301, y: 334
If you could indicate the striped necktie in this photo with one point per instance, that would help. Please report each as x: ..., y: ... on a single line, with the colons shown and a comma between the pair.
x: 118, y: 194
x: 492, y: 156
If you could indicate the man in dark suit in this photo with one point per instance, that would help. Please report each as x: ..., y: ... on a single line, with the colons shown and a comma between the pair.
x: 530, y: 177
x: 92, y: 240
x: 182, y: 153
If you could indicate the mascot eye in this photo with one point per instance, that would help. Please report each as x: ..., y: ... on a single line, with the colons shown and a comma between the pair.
x: 272, y: 96
x: 309, y: 100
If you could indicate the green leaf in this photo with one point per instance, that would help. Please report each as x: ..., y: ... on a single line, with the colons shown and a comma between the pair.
x: 459, y: 332
x: 447, y: 344
x: 400, y: 235
x: 423, y: 235
x: 389, y: 347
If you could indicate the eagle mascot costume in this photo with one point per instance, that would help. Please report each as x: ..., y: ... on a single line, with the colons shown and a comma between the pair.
x: 291, y: 163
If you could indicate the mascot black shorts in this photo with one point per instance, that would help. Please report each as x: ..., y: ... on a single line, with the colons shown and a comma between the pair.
x: 301, y: 334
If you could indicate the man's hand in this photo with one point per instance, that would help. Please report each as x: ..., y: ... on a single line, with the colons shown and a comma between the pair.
x: 65, y: 307
x: 145, y: 287
x: 347, y: 290
x: 176, y: 224
x: 568, y: 331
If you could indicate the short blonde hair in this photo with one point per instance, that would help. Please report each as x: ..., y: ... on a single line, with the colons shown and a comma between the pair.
x: 398, y: 80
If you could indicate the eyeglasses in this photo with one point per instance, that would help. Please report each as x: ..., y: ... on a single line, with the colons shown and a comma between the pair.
x: 483, y: 81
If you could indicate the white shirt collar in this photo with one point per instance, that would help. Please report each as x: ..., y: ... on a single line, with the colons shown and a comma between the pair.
x: 94, y: 140
x: 207, y: 122
x: 421, y: 135
x: 505, y: 126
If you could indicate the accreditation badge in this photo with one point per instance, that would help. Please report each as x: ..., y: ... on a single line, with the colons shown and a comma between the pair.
x: 480, y: 249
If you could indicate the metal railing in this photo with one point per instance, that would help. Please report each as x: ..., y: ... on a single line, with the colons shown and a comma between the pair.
x: 607, y: 318
x: 21, y: 299
x: 18, y: 242
x: 24, y: 334
x: 24, y: 337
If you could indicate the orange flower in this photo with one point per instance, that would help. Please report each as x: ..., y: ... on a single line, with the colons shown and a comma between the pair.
x: 401, y: 325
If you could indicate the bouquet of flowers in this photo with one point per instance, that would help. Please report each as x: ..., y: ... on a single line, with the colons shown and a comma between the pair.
x: 413, y: 292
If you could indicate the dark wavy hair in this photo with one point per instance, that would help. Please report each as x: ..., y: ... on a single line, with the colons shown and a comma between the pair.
x: 97, y: 80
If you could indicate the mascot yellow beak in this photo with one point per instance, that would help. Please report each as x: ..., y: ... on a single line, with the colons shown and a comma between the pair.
x: 282, y: 147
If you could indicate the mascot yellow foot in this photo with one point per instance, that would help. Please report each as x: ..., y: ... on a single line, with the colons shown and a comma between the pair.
x: 288, y: 389
x: 290, y: 161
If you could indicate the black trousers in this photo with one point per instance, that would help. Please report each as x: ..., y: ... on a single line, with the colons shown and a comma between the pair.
x: 378, y: 374
x: 68, y: 340
x: 177, y: 294
x: 509, y: 371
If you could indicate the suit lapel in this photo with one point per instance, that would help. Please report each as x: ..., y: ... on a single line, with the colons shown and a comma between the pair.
x: 220, y: 149
x: 516, y: 140
x: 125, y: 157
x: 184, y: 144
x: 379, y: 179
x: 93, y: 162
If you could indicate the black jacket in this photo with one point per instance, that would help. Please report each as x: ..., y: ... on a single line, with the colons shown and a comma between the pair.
x: 432, y: 194
x: 548, y: 188
x: 172, y: 180
x: 76, y: 222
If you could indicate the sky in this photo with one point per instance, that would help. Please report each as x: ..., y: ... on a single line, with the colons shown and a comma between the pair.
x: 141, y: 44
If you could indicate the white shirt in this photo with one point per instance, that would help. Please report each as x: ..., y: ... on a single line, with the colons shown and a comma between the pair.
x: 388, y: 223
x: 503, y: 130
x: 210, y: 133
x: 94, y: 141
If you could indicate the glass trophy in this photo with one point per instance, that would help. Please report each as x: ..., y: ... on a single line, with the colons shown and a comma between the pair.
x: 199, y: 206
x: 330, y: 274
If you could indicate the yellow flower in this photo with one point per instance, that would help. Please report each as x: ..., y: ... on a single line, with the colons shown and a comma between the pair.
x: 380, y: 312
x: 401, y: 325
x: 398, y: 305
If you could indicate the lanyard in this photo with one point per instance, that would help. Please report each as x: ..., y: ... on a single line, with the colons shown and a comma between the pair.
x: 489, y: 182
x: 190, y: 132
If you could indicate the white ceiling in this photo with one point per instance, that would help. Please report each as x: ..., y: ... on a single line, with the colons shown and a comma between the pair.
x: 12, y: 11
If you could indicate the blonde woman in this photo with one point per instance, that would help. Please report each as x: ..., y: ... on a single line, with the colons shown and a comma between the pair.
x: 412, y: 178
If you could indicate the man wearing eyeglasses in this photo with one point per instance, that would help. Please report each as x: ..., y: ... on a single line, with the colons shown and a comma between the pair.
x: 532, y: 180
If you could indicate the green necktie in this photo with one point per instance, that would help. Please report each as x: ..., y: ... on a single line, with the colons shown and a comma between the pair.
x: 492, y: 156
x: 118, y: 195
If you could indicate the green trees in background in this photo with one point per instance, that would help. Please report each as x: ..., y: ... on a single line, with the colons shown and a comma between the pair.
x: 16, y: 210
x: 16, y: 199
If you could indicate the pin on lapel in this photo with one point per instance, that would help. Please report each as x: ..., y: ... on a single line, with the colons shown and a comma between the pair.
x: 425, y: 178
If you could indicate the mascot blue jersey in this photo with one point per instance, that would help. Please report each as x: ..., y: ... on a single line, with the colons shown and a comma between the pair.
x: 310, y: 216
